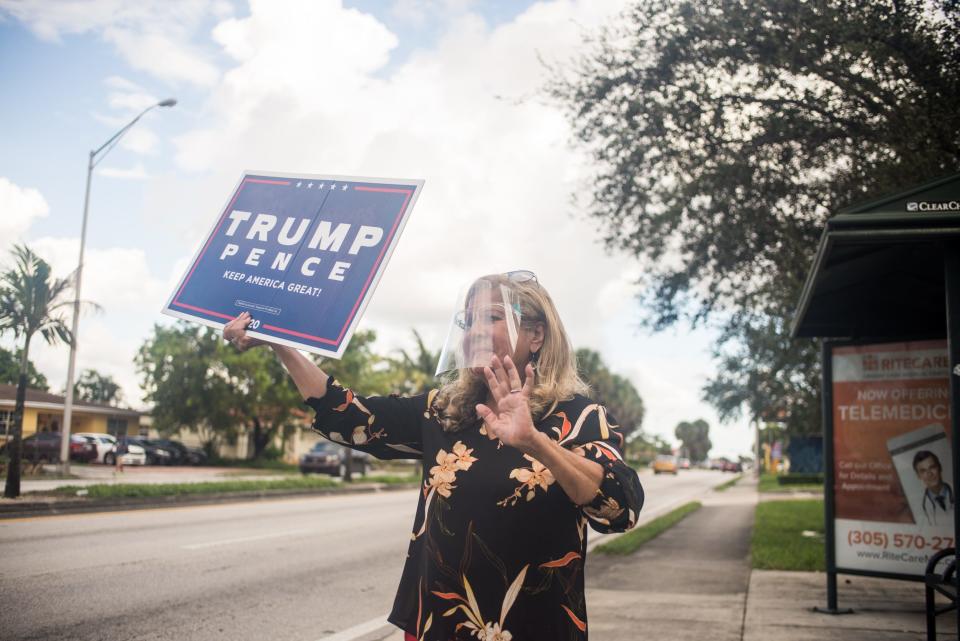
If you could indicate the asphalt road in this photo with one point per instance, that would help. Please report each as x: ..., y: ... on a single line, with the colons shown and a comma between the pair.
x: 290, y: 570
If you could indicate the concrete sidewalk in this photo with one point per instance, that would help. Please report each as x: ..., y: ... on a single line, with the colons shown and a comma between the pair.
x: 695, y: 582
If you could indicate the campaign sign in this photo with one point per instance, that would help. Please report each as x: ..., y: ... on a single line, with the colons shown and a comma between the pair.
x: 301, y: 253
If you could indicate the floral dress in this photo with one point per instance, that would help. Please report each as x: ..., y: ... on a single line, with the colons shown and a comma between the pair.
x: 497, y: 547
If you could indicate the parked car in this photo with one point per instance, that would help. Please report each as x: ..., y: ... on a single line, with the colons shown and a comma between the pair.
x: 106, y: 445
x: 665, y: 464
x: 156, y: 455
x: 182, y: 454
x: 327, y: 457
x: 683, y: 463
x: 44, y: 447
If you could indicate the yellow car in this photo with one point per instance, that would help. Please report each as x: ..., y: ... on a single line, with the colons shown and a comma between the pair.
x: 665, y: 464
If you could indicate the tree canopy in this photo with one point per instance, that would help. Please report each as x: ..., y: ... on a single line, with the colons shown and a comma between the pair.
x: 695, y: 439
x: 10, y: 370
x: 94, y: 387
x: 615, y: 392
x: 196, y: 381
x: 184, y: 381
x: 724, y: 132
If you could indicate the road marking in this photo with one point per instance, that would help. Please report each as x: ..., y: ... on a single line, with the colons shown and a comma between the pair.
x: 245, y: 539
x: 358, y: 630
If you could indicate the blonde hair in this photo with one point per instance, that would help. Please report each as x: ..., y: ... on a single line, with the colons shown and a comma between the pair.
x: 555, y: 364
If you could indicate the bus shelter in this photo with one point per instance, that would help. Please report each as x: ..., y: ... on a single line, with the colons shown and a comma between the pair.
x: 884, y: 293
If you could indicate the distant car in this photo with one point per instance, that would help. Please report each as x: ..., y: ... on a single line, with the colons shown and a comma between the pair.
x: 44, y: 447
x: 683, y: 463
x: 730, y: 466
x: 665, y: 464
x: 156, y: 455
x: 327, y: 457
x: 106, y: 445
x: 181, y: 454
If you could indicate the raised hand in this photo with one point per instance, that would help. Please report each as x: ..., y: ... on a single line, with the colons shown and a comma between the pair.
x: 511, y: 421
x: 236, y: 332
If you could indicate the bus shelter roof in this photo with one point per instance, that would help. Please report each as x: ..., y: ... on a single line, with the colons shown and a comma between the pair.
x: 879, y: 267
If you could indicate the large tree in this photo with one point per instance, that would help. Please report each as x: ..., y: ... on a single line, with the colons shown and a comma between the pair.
x: 265, y: 397
x: 95, y: 387
x: 694, y: 437
x: 187, y: 384
x: 10, y: 370
x: 32, y: 302
x: 196, y: 381
x: 724, y: 133
x: 612, y: 390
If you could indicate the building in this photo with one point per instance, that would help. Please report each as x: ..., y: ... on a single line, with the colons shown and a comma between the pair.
x: 43, y: 412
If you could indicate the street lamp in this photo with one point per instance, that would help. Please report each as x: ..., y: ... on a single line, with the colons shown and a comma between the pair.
x: 95, y: 157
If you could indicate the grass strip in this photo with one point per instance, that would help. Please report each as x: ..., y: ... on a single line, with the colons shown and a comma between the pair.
x: 254, y: 465
x: 769, y: 483
x: 788, y: 535
x: 144, y: 490
x: 723, y: 487
x: 631, y: 541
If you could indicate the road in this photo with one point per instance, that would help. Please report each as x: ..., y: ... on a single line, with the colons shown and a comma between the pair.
x: 294, y: 570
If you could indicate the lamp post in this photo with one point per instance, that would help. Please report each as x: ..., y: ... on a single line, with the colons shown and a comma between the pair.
x: 94, y: 158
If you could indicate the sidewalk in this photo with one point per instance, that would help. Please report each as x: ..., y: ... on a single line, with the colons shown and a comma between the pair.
x: 694, y: 582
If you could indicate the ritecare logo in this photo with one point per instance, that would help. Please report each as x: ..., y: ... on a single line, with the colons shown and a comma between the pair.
x: 931, y: 205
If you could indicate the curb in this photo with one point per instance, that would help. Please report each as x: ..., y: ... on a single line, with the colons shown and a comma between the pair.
x: 84, y: 506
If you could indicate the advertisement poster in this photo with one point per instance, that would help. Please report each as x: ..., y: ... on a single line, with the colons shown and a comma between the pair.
x: 301, y: 253
x: 893, y: 470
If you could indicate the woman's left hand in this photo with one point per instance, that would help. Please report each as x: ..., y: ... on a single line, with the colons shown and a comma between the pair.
x: 511, y: 422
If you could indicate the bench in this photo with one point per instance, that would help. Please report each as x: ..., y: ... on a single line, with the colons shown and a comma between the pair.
x: 942, y: 580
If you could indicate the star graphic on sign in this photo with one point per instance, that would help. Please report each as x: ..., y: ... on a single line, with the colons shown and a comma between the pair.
x: 309, y: 185
x: 299, y: 182
x: 321, y: 185
x: 344, y: 188
x: 333, y: 186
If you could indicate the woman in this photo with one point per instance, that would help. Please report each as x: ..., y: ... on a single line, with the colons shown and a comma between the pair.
x: 516, y: 463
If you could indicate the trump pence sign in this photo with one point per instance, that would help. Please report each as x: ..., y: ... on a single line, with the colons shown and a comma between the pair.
x: 301, y: 253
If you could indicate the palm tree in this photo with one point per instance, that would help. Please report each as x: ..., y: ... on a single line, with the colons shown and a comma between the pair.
x: 30, y: 301
x: 419, y: 368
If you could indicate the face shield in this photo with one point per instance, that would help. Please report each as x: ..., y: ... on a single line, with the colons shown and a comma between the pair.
x: 486, y: 321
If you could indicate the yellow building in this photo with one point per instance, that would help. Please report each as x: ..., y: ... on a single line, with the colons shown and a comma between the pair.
x: 43, y: 412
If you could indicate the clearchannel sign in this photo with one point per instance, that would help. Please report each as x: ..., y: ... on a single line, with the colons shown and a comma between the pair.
x: 929, y: 205
x: 301, y: 253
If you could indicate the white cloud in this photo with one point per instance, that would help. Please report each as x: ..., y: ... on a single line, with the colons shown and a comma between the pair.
x: 19, y: 207
x: 137, y: 172
x: 162, y: 56
x: 140, y: 140
x: 153, y: 36
x: 420, y: 12
x: 498, y: 171
x: 119, y: 280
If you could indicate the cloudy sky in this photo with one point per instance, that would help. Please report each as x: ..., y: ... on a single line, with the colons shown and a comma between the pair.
x: 449, y: 91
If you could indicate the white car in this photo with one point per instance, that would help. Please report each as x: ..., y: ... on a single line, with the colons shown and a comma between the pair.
x: 107, y: 449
